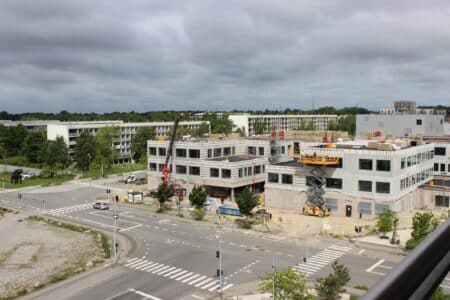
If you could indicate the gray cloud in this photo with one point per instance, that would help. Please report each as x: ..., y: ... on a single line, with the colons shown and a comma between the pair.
x: 145, y: 55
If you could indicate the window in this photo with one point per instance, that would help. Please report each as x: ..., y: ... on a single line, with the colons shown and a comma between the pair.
x: 365, y: 208
x: 152, y: 166
x: 257, y: 169
x: 379, y: 208
x: 233, y: 150
x: 418, y: 122
x: 442, y: 167
x: 331, y: 204
x: 240, y: 172
x: 214, y: 172
x: 227, y: 151
x: 194, y: 171
x: 383, y: 187
x: 180, y: 152
x: 436, y: 167
x: 180, y: 169
x: 273, y: 177
x: 194, y: 153
x: 442, y: 201
x: 209, y: 153
x: 439, y: 151
x: 226, y: 173
x: 383, y: 165
x: 365, y: 164
x: 282, y: 149
x: 310, y: 180
x: 286, y: 179
x: 251, y: 150
x: 261, y: 150
x: 152, y: 150
x: 249, y: 170
x: 334, y: 183
x: 365, y: 186
x: 403, y: 163
x: 217, y: 152
x: 162, y: 151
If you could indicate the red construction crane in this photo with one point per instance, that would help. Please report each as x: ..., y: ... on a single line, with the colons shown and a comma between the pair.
x: 166, y: 168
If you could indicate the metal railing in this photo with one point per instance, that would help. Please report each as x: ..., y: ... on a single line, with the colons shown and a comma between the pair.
x: 421, y: 272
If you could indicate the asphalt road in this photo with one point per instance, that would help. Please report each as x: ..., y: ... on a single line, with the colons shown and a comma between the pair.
x: 175, y: 258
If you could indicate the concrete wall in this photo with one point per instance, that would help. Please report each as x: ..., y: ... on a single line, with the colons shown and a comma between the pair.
x: 56, y: 130
x: 400, y: 125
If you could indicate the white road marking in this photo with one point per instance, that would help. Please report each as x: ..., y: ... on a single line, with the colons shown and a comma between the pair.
x: 385, y: 267
x: 159, y: 269
x: 133, y: 263
x: 375, y: 265
x: 133, y: 259
x: 172, y: 272
x: 361, y: 251
x: 340, y: 247
x: 214, y: 282
x: 191, y: 277
x: 197, y: 297
x: 144, y: 265
x: 148, y: 296
x: 150, y: 266
x: 178, y: 274
x: 165, y: 271
x: 196, y: 280
x: 227, y: 287
x: 184, y: 276
x: 155, y: 267
x: 203, y: 282
x: 129, y: 228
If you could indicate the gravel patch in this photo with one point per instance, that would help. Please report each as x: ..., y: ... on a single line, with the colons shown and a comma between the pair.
x: 32, y: 251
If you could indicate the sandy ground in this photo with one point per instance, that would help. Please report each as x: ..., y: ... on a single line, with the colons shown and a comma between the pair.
x: 31, y: 251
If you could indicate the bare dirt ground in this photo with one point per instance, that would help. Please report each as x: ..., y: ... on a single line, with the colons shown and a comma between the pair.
x: 34, y: 253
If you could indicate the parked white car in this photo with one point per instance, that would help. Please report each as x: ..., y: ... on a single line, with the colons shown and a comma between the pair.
x: 27, y: 175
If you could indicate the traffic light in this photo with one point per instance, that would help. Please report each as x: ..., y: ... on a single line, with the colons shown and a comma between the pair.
x: 218, y: 272
x: 217, y: 254
x: 304, y: 260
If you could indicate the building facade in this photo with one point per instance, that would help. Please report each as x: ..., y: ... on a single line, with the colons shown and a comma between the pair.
x: 400, y: 125
x: 366, y: 181
x: 223, y: 167
x: 249, y: 123
x: 70, y: 131
x: 31, y: 126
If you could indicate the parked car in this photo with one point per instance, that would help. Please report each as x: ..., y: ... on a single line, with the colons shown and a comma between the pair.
x: 101, y: 205
x: 27, y: 175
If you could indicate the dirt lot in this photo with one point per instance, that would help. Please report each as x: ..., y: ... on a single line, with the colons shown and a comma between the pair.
x: 34, y: 253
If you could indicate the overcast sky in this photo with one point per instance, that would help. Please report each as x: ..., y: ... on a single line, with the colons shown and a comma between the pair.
x: 116, y: 55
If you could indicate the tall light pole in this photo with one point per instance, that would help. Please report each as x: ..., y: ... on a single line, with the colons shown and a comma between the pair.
x: 219, y: 256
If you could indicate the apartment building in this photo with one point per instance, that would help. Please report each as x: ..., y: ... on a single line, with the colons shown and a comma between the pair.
x: 224, y: 167
x: 70, y: 131
x: 365, y: 181
x: 280, y: 122
x: 31, y: 126
x: 400, y: 125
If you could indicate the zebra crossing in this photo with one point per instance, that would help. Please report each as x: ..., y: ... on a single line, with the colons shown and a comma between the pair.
x: 320, y: 260
x: 67, y: 209
x: 178, y: 274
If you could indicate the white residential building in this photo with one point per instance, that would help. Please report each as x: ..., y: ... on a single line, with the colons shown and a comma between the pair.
x: 400, y: 125
x: 366, y: 181
x: 280, y: 122
x: 223, y: 167
x: 70, y: 131
x: 32, y: 126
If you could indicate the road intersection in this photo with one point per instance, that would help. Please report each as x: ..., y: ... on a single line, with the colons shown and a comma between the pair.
x: 175, y: 257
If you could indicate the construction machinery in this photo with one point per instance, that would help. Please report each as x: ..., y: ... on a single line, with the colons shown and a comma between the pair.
x: 315, y: 204
x: 179, y: 191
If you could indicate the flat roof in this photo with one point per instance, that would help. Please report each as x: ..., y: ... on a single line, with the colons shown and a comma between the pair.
x: 291, y: 163
x: 234, y: 158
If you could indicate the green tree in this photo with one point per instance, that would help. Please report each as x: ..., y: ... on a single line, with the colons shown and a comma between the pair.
x: 33, y: 146
x: 57, y: 154
x: 106, y: 153
x: 241, y: 131
x: 139, y: 143
x: 201, y: 130
x: 385, y: 221
x: 259, y: 127
x: 13, y: 138
x: 163, y: 194
x: 288, y: 284
x: 198, y: 196
x: 422, y: 225
x: 246, y: 201
x: 330, y: 287
x: 439, y: 294
x: 84, y: 150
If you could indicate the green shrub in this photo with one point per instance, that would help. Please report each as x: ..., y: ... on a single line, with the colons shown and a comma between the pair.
x: 411, y: 244
x: 361, y: 287
x: 160, y: 210
x: 105, y: 245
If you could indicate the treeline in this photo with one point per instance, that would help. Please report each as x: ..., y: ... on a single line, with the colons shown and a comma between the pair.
x: 162, y: 116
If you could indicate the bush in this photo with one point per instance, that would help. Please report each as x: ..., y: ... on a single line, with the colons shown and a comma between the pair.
x: 198, y: 214
x: 412, y: 243
x: 160, y: 210
x: 361, y: 287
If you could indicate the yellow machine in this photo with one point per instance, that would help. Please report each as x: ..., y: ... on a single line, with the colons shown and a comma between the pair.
x: 315, y: 205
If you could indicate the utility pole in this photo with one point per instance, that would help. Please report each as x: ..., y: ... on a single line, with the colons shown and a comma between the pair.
x: 305, y: 260
x: 219, y: 256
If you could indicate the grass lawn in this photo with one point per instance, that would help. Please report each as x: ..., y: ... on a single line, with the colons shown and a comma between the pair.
x: 115, y: 169
x: 5, y: 181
